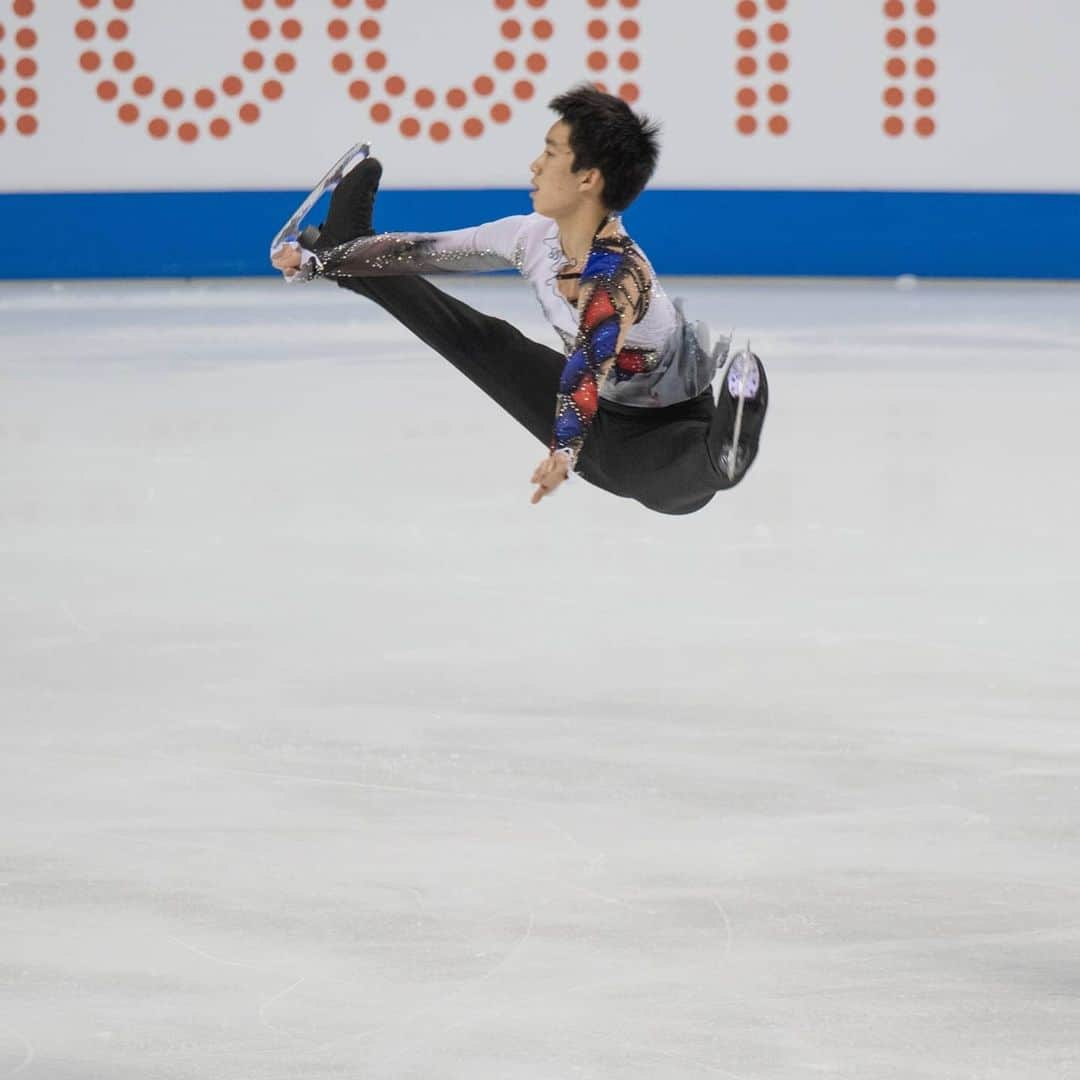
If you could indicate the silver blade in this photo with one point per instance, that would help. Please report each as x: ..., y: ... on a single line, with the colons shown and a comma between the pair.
x: 341, y: 168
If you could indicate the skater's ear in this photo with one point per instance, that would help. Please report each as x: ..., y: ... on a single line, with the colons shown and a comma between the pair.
x: 591, y: 182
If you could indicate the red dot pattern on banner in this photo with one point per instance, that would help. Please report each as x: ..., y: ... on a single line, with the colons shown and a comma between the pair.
x: 909, y: 30
x: 761, y: 25
x: 467, y: 109
x: 23, y: 96
x: 103, y: 26
x: 612, y: 48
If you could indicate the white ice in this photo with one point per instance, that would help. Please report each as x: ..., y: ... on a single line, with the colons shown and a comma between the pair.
x: 323, y: 754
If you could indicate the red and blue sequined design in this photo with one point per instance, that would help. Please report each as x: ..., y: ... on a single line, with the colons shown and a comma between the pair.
x: 609, y: 271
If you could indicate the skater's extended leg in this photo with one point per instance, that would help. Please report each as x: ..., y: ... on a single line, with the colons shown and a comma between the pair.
x: 520, y: 375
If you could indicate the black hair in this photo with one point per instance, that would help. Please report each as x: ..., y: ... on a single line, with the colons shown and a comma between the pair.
x: 606, y: 134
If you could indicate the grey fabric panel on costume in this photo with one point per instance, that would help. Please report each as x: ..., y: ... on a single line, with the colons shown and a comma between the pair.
x: 684, y: 367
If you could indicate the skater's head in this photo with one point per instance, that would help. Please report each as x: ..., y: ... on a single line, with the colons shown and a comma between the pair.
x: 599, y: 149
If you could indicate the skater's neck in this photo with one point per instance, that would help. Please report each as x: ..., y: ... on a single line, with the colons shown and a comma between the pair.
x: 578, y: 229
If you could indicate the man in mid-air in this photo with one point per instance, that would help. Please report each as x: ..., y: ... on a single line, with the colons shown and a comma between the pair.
x: 628, y: 404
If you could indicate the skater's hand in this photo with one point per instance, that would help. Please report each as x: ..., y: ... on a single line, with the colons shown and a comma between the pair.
x: 286, y: 257
x: 549, y: 474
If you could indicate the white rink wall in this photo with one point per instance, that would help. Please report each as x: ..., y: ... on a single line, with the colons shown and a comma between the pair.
x: 1001, y: 98
x: 755, y: 95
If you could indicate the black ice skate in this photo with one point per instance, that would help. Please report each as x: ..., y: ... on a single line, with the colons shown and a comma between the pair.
x: 743, y: 385
x: 352, y: 208
x: 290, y: 232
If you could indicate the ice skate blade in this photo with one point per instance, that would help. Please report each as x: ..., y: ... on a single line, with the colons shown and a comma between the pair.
x: 743, y: 381
x: 289, y: 233
x: 729, y: 461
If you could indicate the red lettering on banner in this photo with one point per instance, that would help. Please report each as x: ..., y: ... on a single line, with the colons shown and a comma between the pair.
x: 910, y: 36
x: 170, y: 110
x: 20, y: 39
x: 763, y: 58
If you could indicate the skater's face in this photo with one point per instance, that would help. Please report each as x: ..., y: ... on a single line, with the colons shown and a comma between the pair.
x: 557, y: 189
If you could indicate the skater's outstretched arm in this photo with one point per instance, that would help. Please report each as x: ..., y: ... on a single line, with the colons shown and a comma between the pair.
x: 495, y: 245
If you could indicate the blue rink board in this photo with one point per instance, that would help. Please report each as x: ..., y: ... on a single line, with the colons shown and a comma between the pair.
x: 728, y: 232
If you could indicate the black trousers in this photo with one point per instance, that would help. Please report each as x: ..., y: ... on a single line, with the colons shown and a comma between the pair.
x: 664, y: 458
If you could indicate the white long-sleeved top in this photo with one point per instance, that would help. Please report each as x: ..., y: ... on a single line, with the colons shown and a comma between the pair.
x: 662, y: 360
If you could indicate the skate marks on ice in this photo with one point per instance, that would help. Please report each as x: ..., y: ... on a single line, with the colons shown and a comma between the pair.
x: 23, y: 1049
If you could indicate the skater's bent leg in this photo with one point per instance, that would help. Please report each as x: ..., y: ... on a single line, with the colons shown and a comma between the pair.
x: 666, y: 459
x: 658, y: 457
x: 520, y: 375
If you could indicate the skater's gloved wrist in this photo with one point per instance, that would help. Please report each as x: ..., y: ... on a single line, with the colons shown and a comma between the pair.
x: 569, y: 457
x: 310, y: 265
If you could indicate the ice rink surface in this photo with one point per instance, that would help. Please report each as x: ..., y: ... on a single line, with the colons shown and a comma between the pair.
x: 323, y: 754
